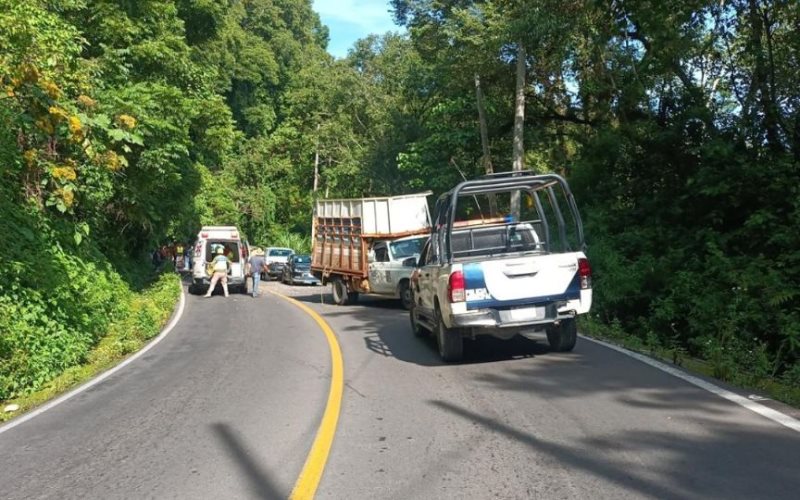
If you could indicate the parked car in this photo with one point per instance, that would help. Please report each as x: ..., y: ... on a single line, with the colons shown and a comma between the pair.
x: 298, y: 270
x: 276, y: 258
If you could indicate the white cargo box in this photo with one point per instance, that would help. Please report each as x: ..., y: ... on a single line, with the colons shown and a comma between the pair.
x: 381, y: 216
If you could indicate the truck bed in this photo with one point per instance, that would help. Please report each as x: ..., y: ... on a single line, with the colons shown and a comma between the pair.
x: 343, y: 229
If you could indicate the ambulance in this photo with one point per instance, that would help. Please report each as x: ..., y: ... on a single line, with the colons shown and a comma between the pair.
x: 209, y: 240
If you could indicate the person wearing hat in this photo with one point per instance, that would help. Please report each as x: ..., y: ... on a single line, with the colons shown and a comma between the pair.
x: 256, y: 265
x: 220, y: 266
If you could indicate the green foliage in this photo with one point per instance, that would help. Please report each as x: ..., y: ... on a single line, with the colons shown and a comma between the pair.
x: 676, y: 124
x: 300, y: 243
x: 140, y: 317
x: 118, y: 131
x: 57, y: 298
x: 127, y: 124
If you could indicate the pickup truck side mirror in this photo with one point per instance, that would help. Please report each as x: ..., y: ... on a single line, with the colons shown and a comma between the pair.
x: 410, y: 262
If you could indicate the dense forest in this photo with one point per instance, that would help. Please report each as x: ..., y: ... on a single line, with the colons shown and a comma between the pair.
x: 126, y: 124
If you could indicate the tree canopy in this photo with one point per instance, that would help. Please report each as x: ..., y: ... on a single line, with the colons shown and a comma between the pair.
x: 127, y: 124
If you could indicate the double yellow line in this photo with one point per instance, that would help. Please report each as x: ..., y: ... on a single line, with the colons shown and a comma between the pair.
x: 310, y: 476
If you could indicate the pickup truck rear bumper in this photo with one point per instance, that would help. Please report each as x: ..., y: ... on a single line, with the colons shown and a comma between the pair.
x: 509, y: 318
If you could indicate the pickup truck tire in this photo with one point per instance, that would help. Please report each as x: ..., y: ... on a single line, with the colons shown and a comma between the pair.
x: 339, y: 292
x: 405, y: 295
x: 563, y: 337
x: 451, y: 344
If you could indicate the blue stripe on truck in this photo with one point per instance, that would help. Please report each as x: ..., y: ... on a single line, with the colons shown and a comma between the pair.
x: 474, y: 279
x: 473, y: 276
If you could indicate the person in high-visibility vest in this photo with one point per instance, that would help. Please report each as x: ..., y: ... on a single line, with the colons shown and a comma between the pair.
x: 220, y: 266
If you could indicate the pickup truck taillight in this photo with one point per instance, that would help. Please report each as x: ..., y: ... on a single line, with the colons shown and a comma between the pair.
x: 455, y: 287
x: 585, y: 273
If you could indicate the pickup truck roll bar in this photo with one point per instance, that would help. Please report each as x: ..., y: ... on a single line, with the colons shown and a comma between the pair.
x: 522, y: 180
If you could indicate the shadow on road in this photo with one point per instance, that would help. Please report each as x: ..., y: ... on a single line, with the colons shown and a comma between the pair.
x: 260, y: 483
x: 628, y: 381
x: 708, y: 466
x: 384, y: 325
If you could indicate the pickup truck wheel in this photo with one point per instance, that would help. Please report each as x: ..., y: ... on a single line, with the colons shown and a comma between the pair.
x: 405, y: 295
x: 563, y: 337
x: 418, y: 330
x: 339, y: 292
x: 451, y: 345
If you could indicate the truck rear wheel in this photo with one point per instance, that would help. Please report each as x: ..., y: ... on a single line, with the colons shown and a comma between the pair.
x: 563, y: 337
x: 339, y: 292
x: 451, y: 344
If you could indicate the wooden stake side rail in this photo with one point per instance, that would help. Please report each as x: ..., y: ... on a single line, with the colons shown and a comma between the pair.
x: 340, y: 248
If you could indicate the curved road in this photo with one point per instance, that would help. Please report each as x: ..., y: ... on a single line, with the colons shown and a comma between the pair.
x: 227, y: 406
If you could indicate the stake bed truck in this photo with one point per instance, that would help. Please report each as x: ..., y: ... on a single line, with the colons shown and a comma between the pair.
x: 369, y: 245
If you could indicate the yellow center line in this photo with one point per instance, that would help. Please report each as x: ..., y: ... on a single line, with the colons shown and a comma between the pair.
x: 310, y: 476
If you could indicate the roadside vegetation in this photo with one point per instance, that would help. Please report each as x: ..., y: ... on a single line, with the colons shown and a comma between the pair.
x: 124, y: 125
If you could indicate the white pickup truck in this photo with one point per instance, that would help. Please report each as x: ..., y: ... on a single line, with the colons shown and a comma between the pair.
x: 515, y: 269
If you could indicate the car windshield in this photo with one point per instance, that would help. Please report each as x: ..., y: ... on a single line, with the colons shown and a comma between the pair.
x: 407, y: 248
x: 280, y: 252
x: 302, y: 259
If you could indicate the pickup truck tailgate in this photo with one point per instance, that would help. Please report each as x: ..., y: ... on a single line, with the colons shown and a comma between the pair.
x: 522, y: 280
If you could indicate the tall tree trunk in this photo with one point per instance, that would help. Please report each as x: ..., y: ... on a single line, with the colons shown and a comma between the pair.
x: 760, y: 84
x: 486, y: 160
x: 519, y: 125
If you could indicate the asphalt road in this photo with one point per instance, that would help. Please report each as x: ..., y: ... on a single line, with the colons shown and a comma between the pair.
x: 228, y: 404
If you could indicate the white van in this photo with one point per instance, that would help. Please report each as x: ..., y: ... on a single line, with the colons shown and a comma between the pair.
x: 209, y: 239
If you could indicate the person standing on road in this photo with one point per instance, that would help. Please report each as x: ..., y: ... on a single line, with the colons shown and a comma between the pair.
x: 256, y: 265
x: 187, y: 258
x: 220, y: 265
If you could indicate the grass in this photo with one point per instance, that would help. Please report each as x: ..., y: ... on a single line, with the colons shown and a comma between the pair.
x: 144, y: 316
x: 740, y: 377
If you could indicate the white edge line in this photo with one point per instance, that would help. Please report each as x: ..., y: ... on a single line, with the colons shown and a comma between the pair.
x: 762, y: 410
x: 38, y: 411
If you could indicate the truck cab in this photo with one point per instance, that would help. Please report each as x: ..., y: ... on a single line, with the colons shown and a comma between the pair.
x: 391, y: 263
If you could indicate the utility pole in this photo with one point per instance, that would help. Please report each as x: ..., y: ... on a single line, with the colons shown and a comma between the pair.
x: 487, y: 157
x: 316, y: 186
x: 519, y: 125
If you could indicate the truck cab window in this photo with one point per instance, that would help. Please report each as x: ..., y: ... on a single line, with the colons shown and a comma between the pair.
x: 381, y: 254
x: 423, y: 256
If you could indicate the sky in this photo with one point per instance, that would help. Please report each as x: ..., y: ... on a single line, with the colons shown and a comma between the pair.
x: 349, y: 20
